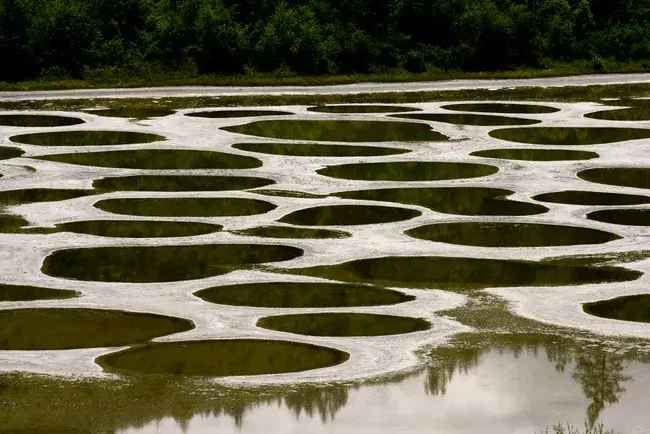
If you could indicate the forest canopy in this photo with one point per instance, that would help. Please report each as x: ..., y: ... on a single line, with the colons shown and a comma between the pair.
x: 77, y: 38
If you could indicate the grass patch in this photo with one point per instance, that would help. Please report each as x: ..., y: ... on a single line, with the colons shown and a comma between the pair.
x: 161, y: 263
x: 157, y: 159
x: 222, y: 358
x: 60, y: 329
x: 301, y: 295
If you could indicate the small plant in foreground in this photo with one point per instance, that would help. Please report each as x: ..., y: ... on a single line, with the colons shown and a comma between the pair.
x: 569, y: 429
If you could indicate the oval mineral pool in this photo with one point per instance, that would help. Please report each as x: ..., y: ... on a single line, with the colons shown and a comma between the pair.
x: 38, y: 121
x: 408, y: 171
x: 221, y: 358
x: 570, y: 136
x: 221, y: 114
x: 86, y: 138
x: 180, y: 183
x: 349, y: 109
x: 186, y: 207
x: 501, y: 108
x: 628, y: 217
x: 536, y: 154
x: 627, y: 308
x: 348, y: 215
x: 291, y: 232
x: 314, y: 150
x: 638, y: 177
x: 144, y: 264
x: 343, y: 324
x: 340, y: 131
x: 139, y: 228
x: 302, y: 295
x: 590, y: 198
x: 468, y: 119
x: 69, y: 328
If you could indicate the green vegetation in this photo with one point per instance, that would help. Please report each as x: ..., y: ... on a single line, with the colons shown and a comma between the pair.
x: 157, y: 159
x: 291, y: 232
x: 464, y: 273
x: 536, y: 154
x: 627, y: 308
x: 313, y: 150
x: 27, y: 293
x: 180, y: 183
x: 577, y: 197
x: 629, y: 217
x: 161, y: 263
x: 638, y: 177
x: 468, y: 119
x: 61, y: 328
x: 452, y: 200
x: 86, y: 138
x: 351, y: 109
x: 408, y: 171
x: 510, y: 234
x: 343, y: 324
x: 172, y: 40
x: 348, y: 215
x: 302, y: 295
x: 501, y: 108
x: 186, y: 207
x: 139, y: 228
x: 15, y: 120
x: 222, y: 358
x: 133, y: 113
x: 30, y: 195
x: 570, y: 429
x: 341, y: 131
x: 6, y: 152
x: 220, y: 114
x: 570, y: 136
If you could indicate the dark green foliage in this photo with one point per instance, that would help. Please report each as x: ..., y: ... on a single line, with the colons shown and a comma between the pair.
x: 96, y: 39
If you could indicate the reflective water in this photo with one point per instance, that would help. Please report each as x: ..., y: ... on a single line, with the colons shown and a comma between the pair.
x: 22, y: 120
x: 490, y: 234
x: 86, y: 138
x: 452, y: 200
x: 346, y: 215
x: 26, y: 293
x: 312, y: 150
x: 341, y: 131
x: 628, y: 308
x: 408, y: 171
x: 161, y: 263
x: 222, y: 358
x: 303, y: 294
x: 469, y: 119
x: 536, y: 154
x: 492, y: 107
x: 291, y: 232
x: 61, y: 328
x: 343, y: 324
x: 630, y: 217
x: 186, y: 207
x: 180, y: 183
x: 157, y: 159
x: 625, y: 176
x: 570, y: 136
x: 464, y: 273
x: 636, y: 110
x: 218, y: 114
x: 139, y: 228
x: 510, y: 383
x: 343, y: 109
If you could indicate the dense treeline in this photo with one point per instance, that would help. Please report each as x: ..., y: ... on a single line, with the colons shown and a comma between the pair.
x: 81, y: 37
